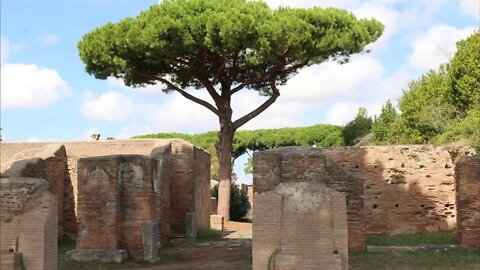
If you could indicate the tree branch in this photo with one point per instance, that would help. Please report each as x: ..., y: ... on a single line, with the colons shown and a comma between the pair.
x: 179, y: 90
x: 249, y: 116
x: 190, y: 97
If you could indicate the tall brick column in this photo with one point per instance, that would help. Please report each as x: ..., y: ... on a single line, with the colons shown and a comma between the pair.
x: 467, y: 174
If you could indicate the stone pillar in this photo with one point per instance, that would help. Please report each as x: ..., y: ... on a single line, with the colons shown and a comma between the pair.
x: 151, y: 243
x: 217, y: 222
x: 467, y: 174
x: 191, y: 225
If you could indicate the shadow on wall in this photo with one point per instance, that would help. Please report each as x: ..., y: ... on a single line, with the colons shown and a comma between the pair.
x: 407, y: 189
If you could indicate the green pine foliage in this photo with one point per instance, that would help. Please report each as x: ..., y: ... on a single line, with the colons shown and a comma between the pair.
x: 356, y: 129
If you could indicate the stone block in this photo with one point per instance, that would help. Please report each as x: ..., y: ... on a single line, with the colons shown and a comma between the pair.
x: 151, y: 241
x: 217, y: 222
x: 11, y: 261
x: 101, y: 255
x: 213, y: 206
x: 191, y: 225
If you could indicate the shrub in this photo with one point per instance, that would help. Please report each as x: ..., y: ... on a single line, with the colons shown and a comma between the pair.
x: 239, y: 204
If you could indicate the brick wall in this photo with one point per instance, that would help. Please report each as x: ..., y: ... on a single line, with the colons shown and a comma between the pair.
x: 99, y: 198
x: 407, y: 188
x: 190, y: 174
x: 107, y: 190
x: 28, y: 223
x: 116, y: 195
x: 40, y: 161
x: 296, y: 164
x: 467, y: 173
x: 162, y: 187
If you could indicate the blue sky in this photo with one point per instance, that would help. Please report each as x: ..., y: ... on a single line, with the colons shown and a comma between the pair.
x: 46, y: 95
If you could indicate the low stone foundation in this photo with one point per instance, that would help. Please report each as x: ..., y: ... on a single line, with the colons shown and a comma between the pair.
x: 88, y: 255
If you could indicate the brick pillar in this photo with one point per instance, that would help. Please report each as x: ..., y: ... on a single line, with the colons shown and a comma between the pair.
x: 98, y: 203
x: 267, y: 229
x: 467, y: 175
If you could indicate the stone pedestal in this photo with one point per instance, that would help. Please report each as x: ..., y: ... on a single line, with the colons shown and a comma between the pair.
x: 151, y: 243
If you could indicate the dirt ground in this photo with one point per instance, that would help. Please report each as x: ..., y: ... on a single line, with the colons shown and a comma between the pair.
x: 225, y: 257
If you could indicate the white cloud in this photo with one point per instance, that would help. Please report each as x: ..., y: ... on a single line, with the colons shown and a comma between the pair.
x: 111, y: 106
x: 48, y: 39
x: 153, y: 90
x: 29, y: 86
x: 342, y: 112
x: 471, y: 8
x: 179, y: 114
x: 331, y: 81
x: 436, y: 46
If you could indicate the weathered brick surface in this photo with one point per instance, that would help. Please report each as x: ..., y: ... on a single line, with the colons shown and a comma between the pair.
x: 109, y: 189
x: 406, y: 189
x: 162, y: 188
x: 202, y: 187
x: 300, y: 226
x: 99, y: 192
x: 296, y: 164
x: 42, y: 161
x: 28, y: 223
x: 10, y: 261
x: 190, y: 174
x: 266, y: 229
x: 467, y: 173
x: 120, y: 191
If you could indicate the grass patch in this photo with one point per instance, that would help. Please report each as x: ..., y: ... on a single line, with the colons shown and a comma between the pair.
x: 167, y: 254
x: 208, y: 235
x: 244, y: 265
x: 442, y: 238
x: 431, y: 259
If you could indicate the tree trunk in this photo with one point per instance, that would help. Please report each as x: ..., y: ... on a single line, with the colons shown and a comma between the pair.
x: 224, y: 152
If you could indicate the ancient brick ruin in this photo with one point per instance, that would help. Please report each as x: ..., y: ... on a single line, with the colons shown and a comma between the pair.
x: 467, y: 174
x: 298, y: 223
x: 407, y: 189
x: 28, y: 224
x: 389, y: 190
x: 294, y: 164
x: 116, y: 196
x: 110, y: 190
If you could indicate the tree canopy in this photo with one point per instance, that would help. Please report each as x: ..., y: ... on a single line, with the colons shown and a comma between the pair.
x: 223, y: 47
x: 442, y: 106
x: 234, y: 43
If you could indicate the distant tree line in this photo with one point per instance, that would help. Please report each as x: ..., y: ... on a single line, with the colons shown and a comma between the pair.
x: 262, y: 139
